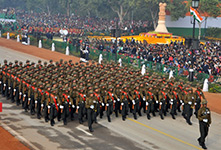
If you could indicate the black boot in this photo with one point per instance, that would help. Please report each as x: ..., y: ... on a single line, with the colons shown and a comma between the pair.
x: 148, y: 116
x: 161, y: 116
x: 108, y: 118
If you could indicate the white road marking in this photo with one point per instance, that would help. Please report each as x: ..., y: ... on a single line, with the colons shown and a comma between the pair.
x: 18, y: 136
x: 80, y: 128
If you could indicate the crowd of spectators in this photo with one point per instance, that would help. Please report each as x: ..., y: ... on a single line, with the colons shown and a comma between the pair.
x: 207, y: 59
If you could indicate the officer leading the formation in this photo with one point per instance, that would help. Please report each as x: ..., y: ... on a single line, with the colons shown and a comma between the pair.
x: 204, y: 117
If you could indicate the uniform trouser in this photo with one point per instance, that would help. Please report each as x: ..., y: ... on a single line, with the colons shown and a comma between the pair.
x: 53, y: 113
x: 179, y: 105
x: 197, y: 107
x: 117, y: 108
x: 90, y: 117
x: 150, y: 108
x: 16, y: 95
x: 136, y: 108
x: 109, y: 109
x: 32, y: 105
x: 9, y: 91
x: 174, y: 107
x: 167, y: 104
x: 204, y: 129
x: 65, y: 113
x: 3, y: 87
x: 46, y: 115
x: 81, y: 111
x: 38, y: 108
x: 163, y: 108
x: 6, y: 90
x: 25, y: 102
x: 188, y: 112
x: 142, y: 105
x: 125, y: 108
x: 73, y: 110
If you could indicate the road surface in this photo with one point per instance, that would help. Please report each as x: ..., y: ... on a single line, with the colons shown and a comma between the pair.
x: 154, y: 134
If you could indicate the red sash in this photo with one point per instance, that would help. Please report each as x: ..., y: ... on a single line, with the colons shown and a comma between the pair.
x: 66, y: 97
x: 82, y: 96
x: 47, y: 93
x: 164, y: 94
x: 40, y: 91
x: 33, y: 88
x: 175, y: 94
x: 150, y: 94
x: 55, y: 102
x: 137, y: 93
x: 199, y: 94
x: 18, y: 80
x: 185, y: 92
x: 180, y: 87
x: 125, y: 94
x: 111, y: 96
x: 98, y: 97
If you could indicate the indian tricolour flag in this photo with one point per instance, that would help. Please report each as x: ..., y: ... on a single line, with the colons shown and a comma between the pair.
x: 195, y: 14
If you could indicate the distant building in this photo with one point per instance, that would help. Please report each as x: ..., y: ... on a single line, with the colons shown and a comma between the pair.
x: 184, y: 27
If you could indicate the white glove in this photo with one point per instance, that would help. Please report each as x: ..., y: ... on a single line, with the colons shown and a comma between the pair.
x: 114, y: 101
x: 161, y: 103
x: 73, y: 106
x: 157, y: 102
x: 61, y: 107
x: 118, y: 99
x: 102, y: 104
x: 171, y: 103
x: 0, y: 82
x: 181, y: 101
x: 190, y: 103
x: 57, y: 104
x: 69, y: 103
x: 133, y: 101
x: 171, y: 100
x: 49, y: 107
x: 14, y: 90
x: 42, y: 105
x: 84, y: 95
x: 112, y: 94
x: 147, y: 103
x: 9, y: 88
x: 36, y: 102
x: 68, y: 96
x: 208, y: 112
x: 195, y: 103
x: 4, y: 84
x: 56, y: 97
x: 122, y: 104
x: 183, y: 104
x: 92, y: 106
x: 107, y: 104
x: 205, y: 120
x: 77, y: 107
x: 94, y: 101
x: 29, y: 99
x: 192, y: 97
x: 24, y: 95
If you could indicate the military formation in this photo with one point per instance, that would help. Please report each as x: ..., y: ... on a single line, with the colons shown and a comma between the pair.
x: 65, y: 90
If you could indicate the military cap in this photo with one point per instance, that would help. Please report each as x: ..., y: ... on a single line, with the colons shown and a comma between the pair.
x: 39, y: 61
x: 10, y: 63
x: 45, y: 63
x: 27, y: 61
x: 16, y: 61
x: 5, y: 61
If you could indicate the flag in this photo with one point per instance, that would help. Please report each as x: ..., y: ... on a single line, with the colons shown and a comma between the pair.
x: 0, y: 107
x: 195, y: 14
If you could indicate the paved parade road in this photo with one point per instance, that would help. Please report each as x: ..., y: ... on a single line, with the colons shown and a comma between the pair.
x: 154, y: 134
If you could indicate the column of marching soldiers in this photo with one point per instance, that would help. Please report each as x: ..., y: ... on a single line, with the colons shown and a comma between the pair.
x: 62, y: 89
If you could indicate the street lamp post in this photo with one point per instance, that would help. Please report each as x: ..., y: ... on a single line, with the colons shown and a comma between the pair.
x: 195, y: 5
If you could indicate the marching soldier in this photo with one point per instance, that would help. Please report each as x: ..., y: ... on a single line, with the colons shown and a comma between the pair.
x: 91, y: 103
x: 150, y: 97
x: 204, y: 116
x: 162, y: 102
x: 80, y: 103
x: 189, y: 104
x: 199, y: 95
x: 110, y: 103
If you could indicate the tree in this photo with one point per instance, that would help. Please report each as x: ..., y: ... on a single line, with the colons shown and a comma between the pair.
x: 209, y: 8
x: 178, y: 9
x: 121, y: 7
